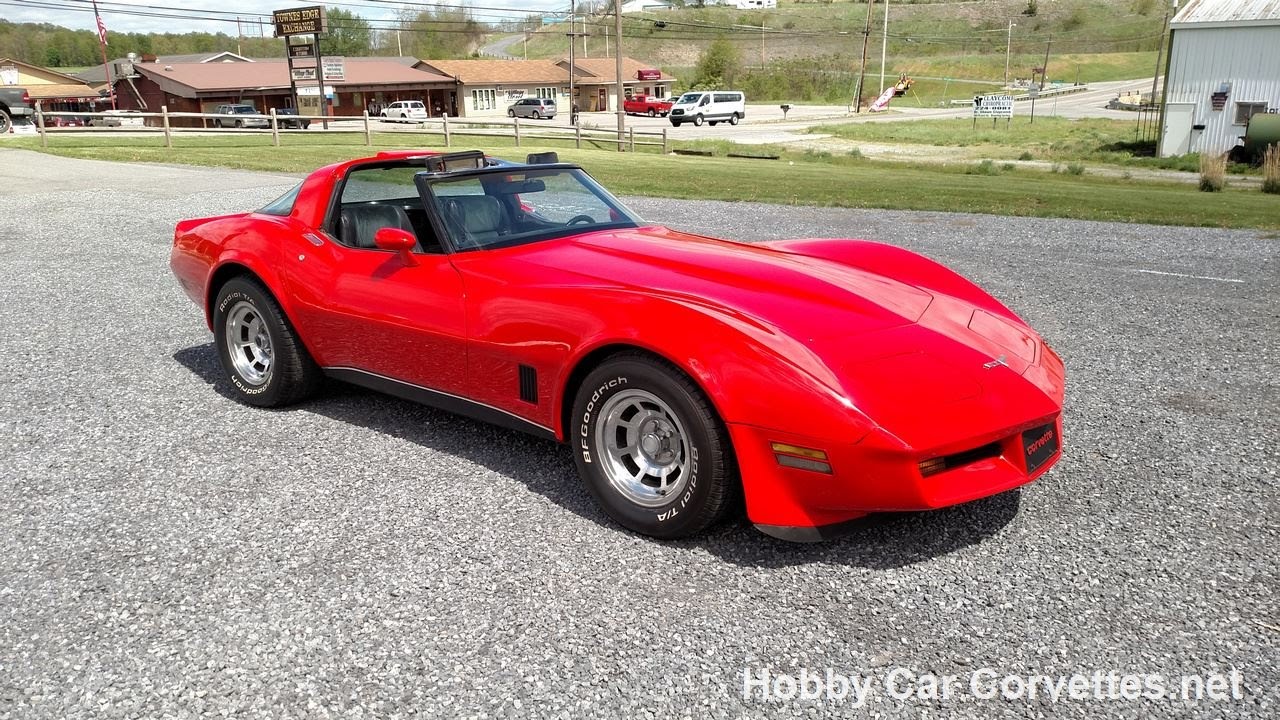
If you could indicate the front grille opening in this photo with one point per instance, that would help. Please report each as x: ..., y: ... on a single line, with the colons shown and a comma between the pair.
x: 933, y: 466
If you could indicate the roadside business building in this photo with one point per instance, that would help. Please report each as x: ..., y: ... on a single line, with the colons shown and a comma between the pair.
x: 597, y: 86
x: 366, y: 84
x: 55, y: 91
x: 1224, y: 67
x: 486, y: 88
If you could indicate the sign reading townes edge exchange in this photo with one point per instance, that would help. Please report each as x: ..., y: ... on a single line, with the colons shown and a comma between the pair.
x: 299, y: 21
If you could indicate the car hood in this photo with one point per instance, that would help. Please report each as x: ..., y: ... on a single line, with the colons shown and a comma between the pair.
x: 805, y: 297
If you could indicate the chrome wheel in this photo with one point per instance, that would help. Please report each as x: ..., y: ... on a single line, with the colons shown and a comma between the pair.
x: 249, y: 343
x: 645, y: 451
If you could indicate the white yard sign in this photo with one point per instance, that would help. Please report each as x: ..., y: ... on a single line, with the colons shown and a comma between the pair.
x: 993, y: 106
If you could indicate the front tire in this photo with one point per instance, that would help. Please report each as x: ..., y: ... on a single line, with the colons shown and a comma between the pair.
x: 651, y: 449
x: 259, y: 350
x: 697, y: 120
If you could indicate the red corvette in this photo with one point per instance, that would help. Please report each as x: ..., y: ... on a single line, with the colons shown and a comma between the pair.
x: 822, y: 379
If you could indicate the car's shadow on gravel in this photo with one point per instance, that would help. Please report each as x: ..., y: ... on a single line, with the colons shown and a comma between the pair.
x: 880, y: 541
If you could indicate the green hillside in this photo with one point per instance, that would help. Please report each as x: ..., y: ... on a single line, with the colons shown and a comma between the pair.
x: 1089, y: 40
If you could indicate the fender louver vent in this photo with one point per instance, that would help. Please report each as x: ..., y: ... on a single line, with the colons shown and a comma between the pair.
x: 528, y: 384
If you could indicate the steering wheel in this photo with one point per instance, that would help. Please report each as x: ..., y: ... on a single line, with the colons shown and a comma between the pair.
x: 581, y: 220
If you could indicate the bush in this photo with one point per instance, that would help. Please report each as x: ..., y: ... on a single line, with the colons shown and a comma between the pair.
x: 1213, y: 172
x: 855, y: 153
x: 986, y: 167
x: 1031, y: 9
x: 1026, y: 155
x: 1271, y: 170
x: 1075, y: 169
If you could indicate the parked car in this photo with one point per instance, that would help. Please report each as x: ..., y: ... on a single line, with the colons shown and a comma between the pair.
x: 405, y: 111
x: 646, y: 105
x: 63, y: 121
x: 241, y: 115
x: 118, y: 118
x: 288, y: 119
x: 535, y: 108
x: 711, y: 107
x: 819, y: 380
x: 15, y: 104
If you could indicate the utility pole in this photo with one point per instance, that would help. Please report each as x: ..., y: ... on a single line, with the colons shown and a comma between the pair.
x: 1044, y: 70
x: 862, y: 73
x: 573, y: 99
x: 617, y: 68
x: 884, y: 44
x: 1008, y: 46
x: 1164, y: 30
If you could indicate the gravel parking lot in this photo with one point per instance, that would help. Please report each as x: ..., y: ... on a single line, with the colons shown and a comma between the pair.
x: 168, y: 552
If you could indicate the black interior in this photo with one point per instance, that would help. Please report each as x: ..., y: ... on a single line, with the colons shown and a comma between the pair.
x: 358, y: 222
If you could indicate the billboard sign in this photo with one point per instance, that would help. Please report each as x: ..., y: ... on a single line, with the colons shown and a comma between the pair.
x: 993, y: 106
x: 299, y: 21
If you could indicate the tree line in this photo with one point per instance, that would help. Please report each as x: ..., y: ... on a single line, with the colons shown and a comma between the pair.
x: 444, y: 33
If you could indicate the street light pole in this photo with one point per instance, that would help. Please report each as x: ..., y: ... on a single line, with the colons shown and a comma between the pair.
x: 1008, y: 45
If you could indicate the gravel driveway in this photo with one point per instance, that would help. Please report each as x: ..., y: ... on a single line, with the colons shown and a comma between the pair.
x: 167, y: 552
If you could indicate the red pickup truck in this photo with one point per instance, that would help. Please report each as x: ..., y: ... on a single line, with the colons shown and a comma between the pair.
x: 646, y: 105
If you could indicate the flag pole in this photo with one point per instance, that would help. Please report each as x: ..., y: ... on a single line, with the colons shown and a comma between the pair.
x: 102, y: 46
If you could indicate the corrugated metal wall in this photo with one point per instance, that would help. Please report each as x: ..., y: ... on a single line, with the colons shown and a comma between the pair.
x: 1205, y: 58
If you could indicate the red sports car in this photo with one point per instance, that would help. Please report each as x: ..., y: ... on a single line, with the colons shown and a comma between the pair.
x: 823, y: 379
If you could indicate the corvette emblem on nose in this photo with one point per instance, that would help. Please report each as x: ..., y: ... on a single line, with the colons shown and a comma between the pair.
x: 994, y: 363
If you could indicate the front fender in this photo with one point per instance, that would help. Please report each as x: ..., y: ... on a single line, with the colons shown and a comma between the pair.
x: 752, y: 373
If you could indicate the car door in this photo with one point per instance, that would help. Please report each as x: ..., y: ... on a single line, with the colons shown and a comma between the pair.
x: 375, y: 311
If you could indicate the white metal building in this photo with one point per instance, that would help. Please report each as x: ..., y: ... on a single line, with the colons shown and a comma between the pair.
x: 1224, y: 66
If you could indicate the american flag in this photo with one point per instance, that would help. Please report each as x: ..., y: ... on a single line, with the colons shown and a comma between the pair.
x: 102, y: 27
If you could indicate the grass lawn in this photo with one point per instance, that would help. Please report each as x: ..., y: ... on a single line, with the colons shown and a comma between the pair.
x: 1049, y: 138
x: 799, y: 178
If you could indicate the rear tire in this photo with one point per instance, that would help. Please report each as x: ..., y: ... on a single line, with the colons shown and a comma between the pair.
x: 651, y: 449
x: 537, y: 115
x: 653, y: 113
x: 6, y: 122
x: 260, y: 352
x: 733, y: 119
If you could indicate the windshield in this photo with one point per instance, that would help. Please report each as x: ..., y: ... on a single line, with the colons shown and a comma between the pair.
x: 496, y: 209
x: 688, y: 98
x: 243, y: 109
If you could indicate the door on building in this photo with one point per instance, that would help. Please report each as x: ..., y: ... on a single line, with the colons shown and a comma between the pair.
x: 604, y: 100
x: 1177, y: 129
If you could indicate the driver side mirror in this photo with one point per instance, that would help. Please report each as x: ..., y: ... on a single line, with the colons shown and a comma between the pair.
x: 396, y: 240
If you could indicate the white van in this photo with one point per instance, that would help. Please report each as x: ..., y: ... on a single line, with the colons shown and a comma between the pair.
x: 712, y: 106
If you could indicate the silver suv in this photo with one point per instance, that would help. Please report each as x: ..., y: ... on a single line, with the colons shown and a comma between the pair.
x: 533, y: 108
x: 240, y: 115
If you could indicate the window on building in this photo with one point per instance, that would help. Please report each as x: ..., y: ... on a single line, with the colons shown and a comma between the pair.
x: 1244, y: 111
x: 549, y: 93
x: 659, y: 91
x: 484, y: 99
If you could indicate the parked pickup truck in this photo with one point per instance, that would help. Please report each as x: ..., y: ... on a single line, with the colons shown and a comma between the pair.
x: 14, y: 102
x: 646, y: 105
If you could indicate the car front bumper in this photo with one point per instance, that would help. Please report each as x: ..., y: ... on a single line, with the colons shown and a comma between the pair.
x: 878, y: 474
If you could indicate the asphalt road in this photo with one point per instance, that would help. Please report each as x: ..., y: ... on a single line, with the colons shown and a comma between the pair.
x: 168, y: 552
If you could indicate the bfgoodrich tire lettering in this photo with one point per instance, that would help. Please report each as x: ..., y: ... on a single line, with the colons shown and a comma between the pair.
x: 260, y: 352
x: 651, y: 449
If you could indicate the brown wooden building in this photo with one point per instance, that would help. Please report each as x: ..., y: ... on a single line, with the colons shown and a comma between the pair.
x: 201, y: 87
